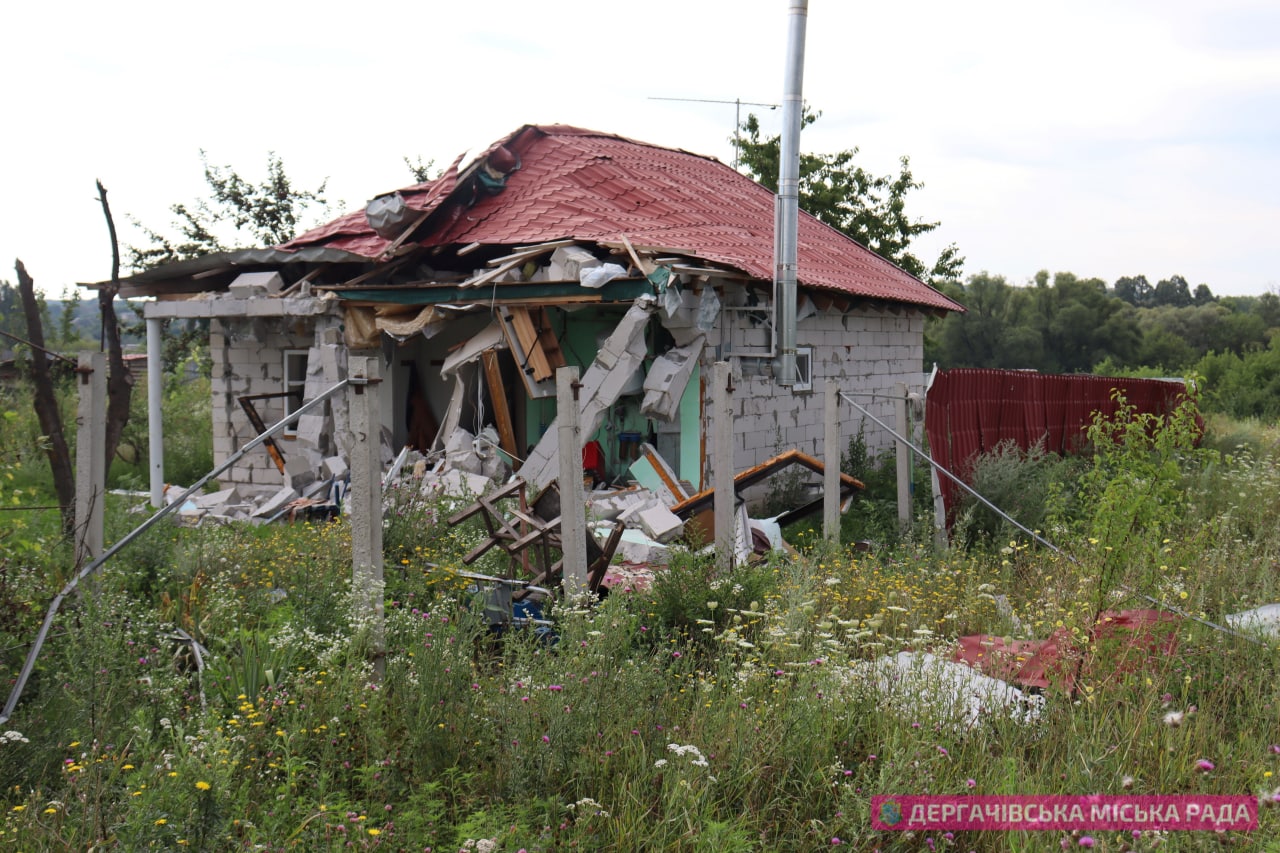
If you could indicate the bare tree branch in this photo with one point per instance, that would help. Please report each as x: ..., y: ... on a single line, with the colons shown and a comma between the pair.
x: 46, y: 403
x: 119, y: 378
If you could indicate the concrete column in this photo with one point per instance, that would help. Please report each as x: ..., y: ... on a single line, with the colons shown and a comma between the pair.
x: 365, y: 500
x: 722, y: 462
x: 831, y: 460
x: 902, y: 424
x: 573, y: 524
x: 91, y: 450
x: 155, y: 396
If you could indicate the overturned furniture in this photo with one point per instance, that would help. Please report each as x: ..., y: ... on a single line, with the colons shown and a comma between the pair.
x: 530, y: 540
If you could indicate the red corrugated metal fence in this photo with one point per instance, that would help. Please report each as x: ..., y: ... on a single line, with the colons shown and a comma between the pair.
x: 970, y: 411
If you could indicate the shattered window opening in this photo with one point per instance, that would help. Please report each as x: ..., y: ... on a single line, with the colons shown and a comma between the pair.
x: 295, y: 383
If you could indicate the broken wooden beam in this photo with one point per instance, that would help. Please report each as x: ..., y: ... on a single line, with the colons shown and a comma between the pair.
x: 751, y: 476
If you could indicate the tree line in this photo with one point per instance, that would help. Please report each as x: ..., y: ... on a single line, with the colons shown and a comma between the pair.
x: 1067, y: 324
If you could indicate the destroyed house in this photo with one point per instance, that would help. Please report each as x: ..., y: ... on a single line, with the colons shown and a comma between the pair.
x: 556, y: 246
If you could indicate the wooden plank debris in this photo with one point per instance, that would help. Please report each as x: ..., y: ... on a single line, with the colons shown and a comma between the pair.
x: 498, y: 399
x: 751, y: 476
x: 537, y: 341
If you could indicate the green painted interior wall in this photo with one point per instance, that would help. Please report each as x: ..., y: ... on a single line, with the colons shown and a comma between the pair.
x: 578, y: 332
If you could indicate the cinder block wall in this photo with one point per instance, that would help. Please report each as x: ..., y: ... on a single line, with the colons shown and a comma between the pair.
x: 867, y: 351
x: 248, y: 358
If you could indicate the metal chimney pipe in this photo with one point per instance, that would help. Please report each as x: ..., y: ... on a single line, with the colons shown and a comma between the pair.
x: 787, y: 210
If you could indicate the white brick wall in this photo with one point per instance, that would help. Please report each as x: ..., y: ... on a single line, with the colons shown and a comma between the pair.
x: 246, y: 361
x: 868, y: 351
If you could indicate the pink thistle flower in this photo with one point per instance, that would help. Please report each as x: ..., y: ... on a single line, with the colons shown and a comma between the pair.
x: 970, y: 783
x: 1204, y: 765
x: 1086, y: 841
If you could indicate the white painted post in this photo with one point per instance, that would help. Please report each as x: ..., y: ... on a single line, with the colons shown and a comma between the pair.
x: 831, y: 462
x: 91, y: 449
x: 573, y: 524
x: 903, y: 425
x: 155, y: 397
x: 365, y: 500
x: 722, y: 468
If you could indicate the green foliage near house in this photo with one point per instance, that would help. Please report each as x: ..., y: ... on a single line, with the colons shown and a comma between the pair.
x: 867, y: 207
x: 237, y: 213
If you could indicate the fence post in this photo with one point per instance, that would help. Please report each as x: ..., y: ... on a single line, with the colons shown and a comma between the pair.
x: 831, y: 464
x: 902, y: 422
x: 91, y: 448
x: 365, y: 501
x: 722, y: 475
x: 155, y: 418
x: 573, y: 525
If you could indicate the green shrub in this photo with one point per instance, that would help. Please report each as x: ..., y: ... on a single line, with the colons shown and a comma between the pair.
x: 1022, y: 483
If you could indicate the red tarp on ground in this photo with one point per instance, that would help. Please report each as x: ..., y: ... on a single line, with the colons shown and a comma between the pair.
x: 970, y: 411
x: 1128, y: 639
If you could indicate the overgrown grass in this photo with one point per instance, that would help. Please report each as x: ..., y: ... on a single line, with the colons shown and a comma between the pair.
x: 710, y: 711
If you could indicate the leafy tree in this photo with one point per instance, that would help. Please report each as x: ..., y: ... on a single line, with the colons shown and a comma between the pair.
x: 1203, y: 295
x: 869, y: 208
x: 1066, y: 326
x: 996, y: 331
x: 1081, y: 324
x: 1173, y: 291
x: 266, y: 213
x: 1135, y: 290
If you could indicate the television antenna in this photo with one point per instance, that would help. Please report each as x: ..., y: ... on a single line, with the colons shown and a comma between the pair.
x: 737, y: 116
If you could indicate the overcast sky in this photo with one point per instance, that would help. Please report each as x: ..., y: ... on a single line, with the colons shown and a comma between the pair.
x: 1104, y: 138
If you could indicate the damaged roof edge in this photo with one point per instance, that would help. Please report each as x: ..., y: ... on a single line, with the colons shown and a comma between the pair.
x: 220, y: 261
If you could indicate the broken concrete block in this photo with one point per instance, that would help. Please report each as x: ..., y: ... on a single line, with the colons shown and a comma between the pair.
x: 298, y: 473
x: 460, y: 453
x: 315, y: 459
x: 334, y: 467
x: 611, y: 505
x: 311, y: 430
x: 455, y: 483
x: 630, y: 516
x: 250, y: 284
x: 635, y: 547
x: 276, y: 502
x: 218, y: 499
x: 661, y: 524
x: 679, y: 314
x: 568, y: 262
x: 667, y: 379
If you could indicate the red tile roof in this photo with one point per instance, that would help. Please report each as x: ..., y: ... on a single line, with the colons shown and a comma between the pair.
x: 591, y: 186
